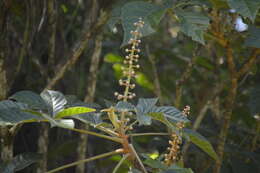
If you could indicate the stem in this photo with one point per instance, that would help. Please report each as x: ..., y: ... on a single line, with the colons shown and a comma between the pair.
x: 148, y: 134
x: 84, y: 161
x: 120, y: 163
x: 137, y: 157
x: 115, y: 139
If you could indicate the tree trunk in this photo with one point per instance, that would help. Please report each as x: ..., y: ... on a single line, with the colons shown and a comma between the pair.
x: 6, y: 139
x: 91, y: 88
x: 43, y: 139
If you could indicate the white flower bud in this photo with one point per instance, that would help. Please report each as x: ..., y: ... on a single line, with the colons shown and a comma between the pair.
x: 67, y: 123
x: 240, y: 26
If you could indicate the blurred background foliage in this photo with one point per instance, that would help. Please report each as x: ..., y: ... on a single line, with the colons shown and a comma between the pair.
x: 181, y: 57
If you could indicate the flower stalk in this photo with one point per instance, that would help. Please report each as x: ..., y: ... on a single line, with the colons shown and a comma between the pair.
x: 131, y: 63
x: 176, y: 141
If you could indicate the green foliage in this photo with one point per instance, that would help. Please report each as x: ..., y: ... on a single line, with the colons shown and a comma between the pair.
x: 54, y: 100
x: 33, y: 100
x: 130, y: 12
x: 201, y: 142
x: 73, y: 111
x: 144, y: 107
x: 12, y: 113
x: 247, y: 8
x: 193, y: 24
x: 253, y: 40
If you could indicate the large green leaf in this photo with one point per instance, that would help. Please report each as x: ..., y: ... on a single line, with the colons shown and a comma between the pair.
x: 54, y: 100
x: 155, y: 164
x: 143, y: 81
x: 33, y: 100
x: 193, y: 25
x: 253, y: 40
x: 72, y: 111
x: 170, y: 113
x: 124, y: 106
x: 132, y: 11
x: 247, y: 8
x: 20, y: 162
x: 254, y: 102
x: 143, y: 107
x: 14, y: 112
x: 201, y: 142
x: 93, y: 119
x: 160, y: 117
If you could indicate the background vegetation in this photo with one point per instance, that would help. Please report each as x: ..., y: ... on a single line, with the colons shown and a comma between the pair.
x: 198, y: 53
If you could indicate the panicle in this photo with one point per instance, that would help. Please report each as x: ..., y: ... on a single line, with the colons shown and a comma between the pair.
x: 130, y: 62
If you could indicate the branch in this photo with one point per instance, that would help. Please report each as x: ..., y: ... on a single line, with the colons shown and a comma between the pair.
x: 120, y: 163
x: 138, y: 158
x: 115, y: 139
x: 148, y: 134
x: 230, y: 60
x: 184, y: 77
x: 246, y: 67
x: 78, y: 49
x: 86, y: 160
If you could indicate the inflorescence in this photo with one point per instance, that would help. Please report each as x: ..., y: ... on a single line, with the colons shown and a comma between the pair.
x: 131, y: 63
x: 176, y: 141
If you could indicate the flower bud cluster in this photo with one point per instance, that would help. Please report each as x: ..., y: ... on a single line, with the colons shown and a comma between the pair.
x: 175, y: 141
x: 130, y: 63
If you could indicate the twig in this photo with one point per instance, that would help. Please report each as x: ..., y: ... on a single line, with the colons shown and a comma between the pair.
x: 85, y: 160
x: 115, y: 139
x: 246, y: 67
x: 148, y: 134
x: 138, y: 158
x: 120, y: 163
x: 184, y: 78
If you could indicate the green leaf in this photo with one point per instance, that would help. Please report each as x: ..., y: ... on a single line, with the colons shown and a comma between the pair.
x: 72, y: 111
x: 12, y: 113
x: 253, y: 40
x: 254, y: 101
x: 20, y: 162
x: 116, y: 14
x: 113, y: 58
x: 193, y: 25
x: 155, y: 164
x: 201, y: 142
x: 33, y: 100
x: 247, y: 8
x: 142, y: 80
x: 93, y: 119
x: 143, y: 107
x: 54, y: 100
x: 134, y: 171
x: 132, y: 11
x: 160, y: 117
x: 118, y: 70
x: 124, y: 106
x: 171, y: 113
